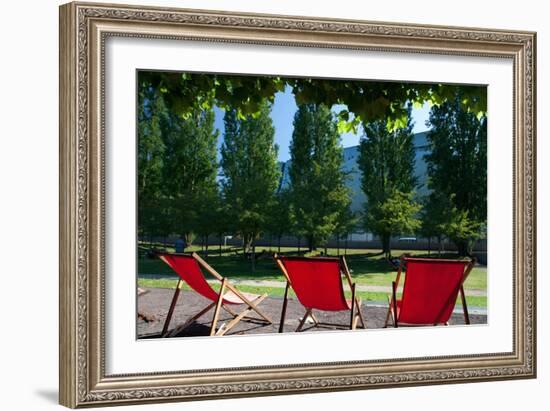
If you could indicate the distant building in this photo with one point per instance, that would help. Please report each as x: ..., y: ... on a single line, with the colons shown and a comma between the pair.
x: 351, y: 155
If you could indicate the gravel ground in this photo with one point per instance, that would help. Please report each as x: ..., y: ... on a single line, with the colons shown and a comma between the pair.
x: 155, y: 303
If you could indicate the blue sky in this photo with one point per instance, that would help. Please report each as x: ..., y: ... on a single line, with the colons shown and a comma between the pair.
x: 282, y: 114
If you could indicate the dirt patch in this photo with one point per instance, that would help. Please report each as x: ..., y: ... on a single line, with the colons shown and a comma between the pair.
x: 156, y: 301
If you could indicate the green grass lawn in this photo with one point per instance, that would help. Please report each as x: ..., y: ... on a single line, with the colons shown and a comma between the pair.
x: 368, y: 267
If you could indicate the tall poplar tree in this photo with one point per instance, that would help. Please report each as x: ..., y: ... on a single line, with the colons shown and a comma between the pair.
x: 457, y: 167
x: 250, y: 172
x: 318, y: 194
x: 386, y: 160
x: 153, y: 118
x: 190, y: 169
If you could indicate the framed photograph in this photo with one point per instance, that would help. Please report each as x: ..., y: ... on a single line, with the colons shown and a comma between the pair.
x: 262, y: 205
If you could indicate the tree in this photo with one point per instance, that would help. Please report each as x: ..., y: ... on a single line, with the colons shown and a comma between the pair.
x: 318, y: 193
x: 457, y: 169
x: 190, y: 169
x: 346, y: 222
x: 278, y: 222
x: 434, y: 216
x: 463, y: 230
x: 152, y: 119
x: 209, y: 217
x: 396, y: 214
x: 386, y: 160
x: 250, y: 172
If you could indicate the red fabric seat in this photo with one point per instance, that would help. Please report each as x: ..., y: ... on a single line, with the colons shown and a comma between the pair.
x: 188, y: 269
x: 317, y: 282
x: 430, y: 290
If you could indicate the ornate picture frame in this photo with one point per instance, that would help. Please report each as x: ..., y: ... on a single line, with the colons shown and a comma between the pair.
x: 84, y: 29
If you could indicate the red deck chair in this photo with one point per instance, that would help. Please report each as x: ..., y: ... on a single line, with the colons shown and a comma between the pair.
x: 188, y: 267
x: 317, y: 283
x: 430, y: 291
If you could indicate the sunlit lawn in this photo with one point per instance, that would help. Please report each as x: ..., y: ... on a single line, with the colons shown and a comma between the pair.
x: 368, y: 267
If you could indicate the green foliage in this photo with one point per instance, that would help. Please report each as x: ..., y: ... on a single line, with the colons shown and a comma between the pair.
x: 457, y: 167
x: 368, y: 101
x: 435, y: 215
x: 177, y: 164
x: 386, y: 160
x: 278, y: 221
x: 210, y: 213
x: 190, y: 169
x: 177, y: 167
x: 396, y: 214
x: 250, y: 171
x: 346, y: 222
x: 152, y: 119
x: 441, y: 217
x: 463, y: 230
x: 318, y: 193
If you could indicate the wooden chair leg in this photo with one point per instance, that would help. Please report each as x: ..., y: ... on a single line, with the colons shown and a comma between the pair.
x: 171, y: 309
x: 217, y: 310
x: 315, y: 320
x: 229, y: 310
x: 283, y: 311
x: 308, y: 312
x: 363, y: 322
x: 464, y: 306
x: 187, y: 323
x: 248, y: 302
x: 228, y: 326
x: 388, y: 314
x: 394, y: 303
x: 355, y: 321
x: 352, y: 322
x: 247, y: 317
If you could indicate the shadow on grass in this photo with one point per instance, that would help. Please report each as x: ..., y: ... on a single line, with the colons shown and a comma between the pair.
x: 233, y: 263
x: 238, y: 266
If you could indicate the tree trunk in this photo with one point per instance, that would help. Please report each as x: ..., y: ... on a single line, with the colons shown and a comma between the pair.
x: 338, y: 245
x: 463, y: 248
x: 386, y: 249
x: 346, y: 246
x: 206, y: 246
x: 310, y: 244
x: 279, y: 245
x: 221, y: 240
x: 253, y: 259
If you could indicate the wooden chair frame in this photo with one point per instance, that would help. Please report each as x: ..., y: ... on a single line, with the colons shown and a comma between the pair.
x: 355, y: 311
x: 226, y: 286
x: 392, y: 301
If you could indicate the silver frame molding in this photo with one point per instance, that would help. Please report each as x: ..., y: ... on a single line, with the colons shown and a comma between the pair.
x: 83, y: 30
